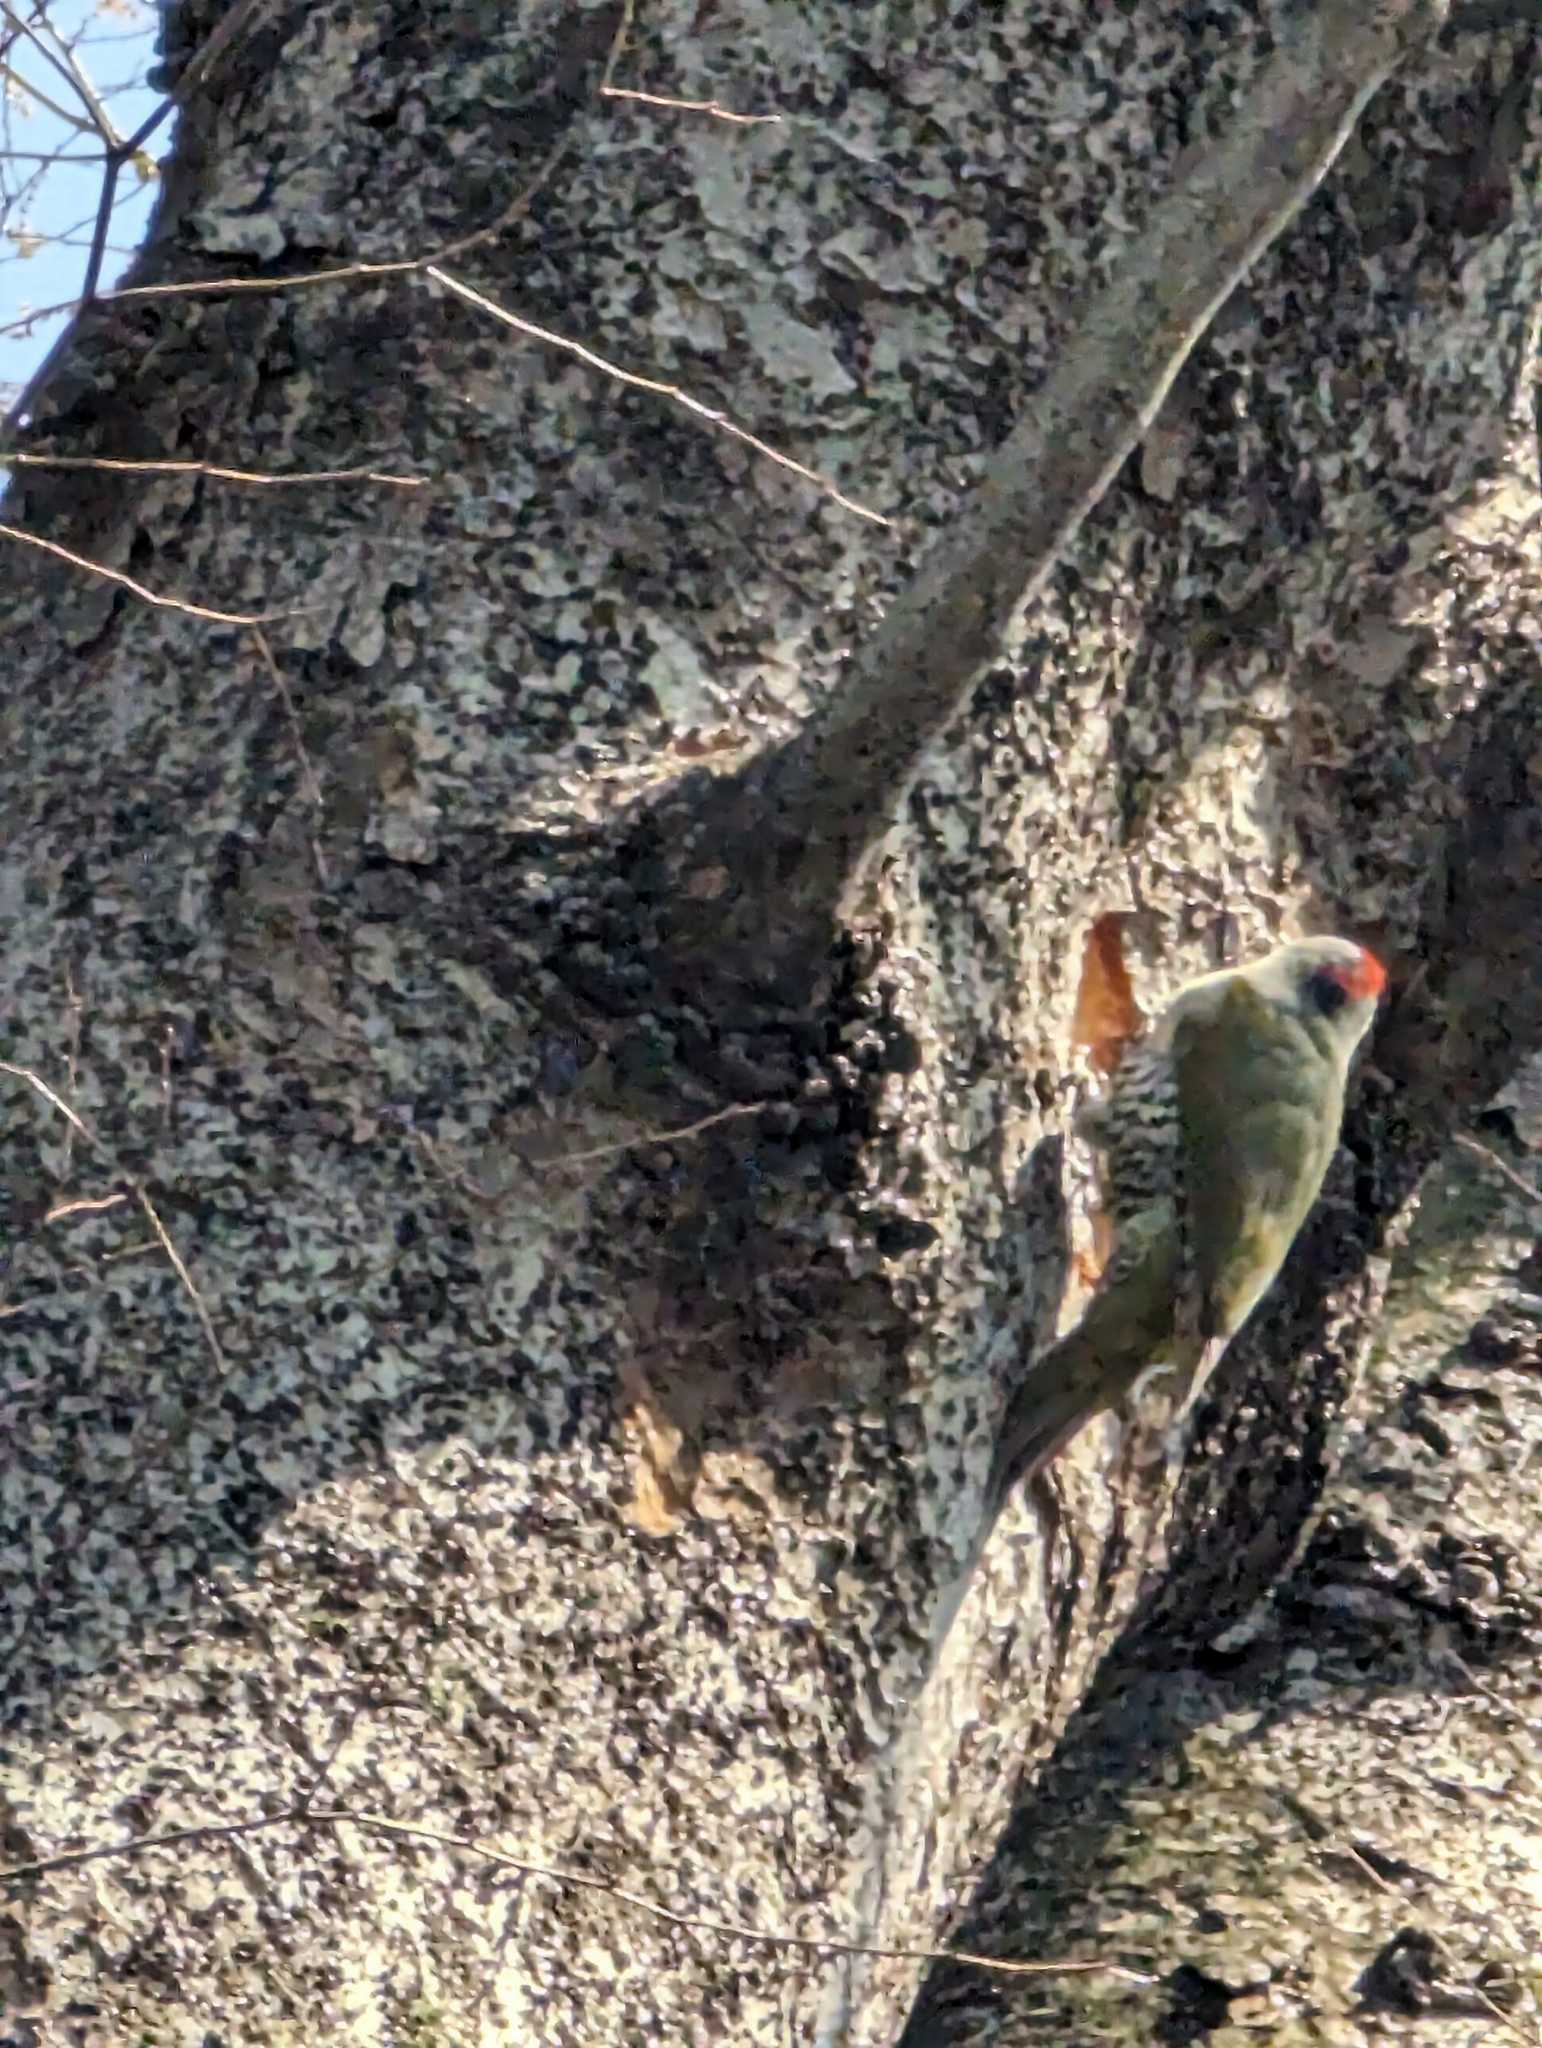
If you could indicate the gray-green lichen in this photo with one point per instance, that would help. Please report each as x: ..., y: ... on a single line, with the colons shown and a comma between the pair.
x: 377, y: 1541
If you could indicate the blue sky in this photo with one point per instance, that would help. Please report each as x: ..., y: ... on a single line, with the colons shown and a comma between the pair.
x: 47, y: 208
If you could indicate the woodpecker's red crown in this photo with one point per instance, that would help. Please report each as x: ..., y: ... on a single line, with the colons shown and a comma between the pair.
x: 1361, y: 980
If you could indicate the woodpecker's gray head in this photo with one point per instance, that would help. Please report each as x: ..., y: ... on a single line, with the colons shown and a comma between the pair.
x: 1332, y: 984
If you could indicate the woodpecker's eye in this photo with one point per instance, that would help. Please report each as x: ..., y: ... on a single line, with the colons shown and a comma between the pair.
x: 1327, y: 991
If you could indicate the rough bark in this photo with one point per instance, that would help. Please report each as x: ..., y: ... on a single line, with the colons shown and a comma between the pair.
x: 607, y: 1510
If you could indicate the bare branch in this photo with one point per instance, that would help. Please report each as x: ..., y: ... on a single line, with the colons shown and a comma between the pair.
x: 33, y: 91
x: 713, y: 415
x: 308, y: 775
x: 140, y: 590
x: 180, y: 1267
x: 713, y: 107
x: 726, y: 1930
x: 839, y: 784
x: 82, y: 1129
x: 214, y: 287
x: 47, y: 156
x: 75, y: 1016
x: 668, y: 1137
x: 351, y: 272
x: 231, y: 30
x: 218, y: 471
x: 625, y: 22
x: 228, y: 32
x: 83, y: 1205
x: 1502, y: 1167
x: 56, y: 52
x: 54, y: 1099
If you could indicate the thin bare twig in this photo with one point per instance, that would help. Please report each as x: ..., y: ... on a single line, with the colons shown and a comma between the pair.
x: 168, y: 1053
x: 453, y: 1176
x: 308, y: 773
x: 618, y: 42
x: 179, y: 1267
x: 232, y: 26
x: 713, y: 415
x: 705, y: 1123
x: 55, y: 1100
x: 62, y: 59
x: 727, y: 1930
x: 1510, y: 1709
x: 167, y: 1246
x: 155, y: 597
x: 228, y: 31
x: 33, y: 91
x: 83, y: 1205
x: 214, y: 287
x: 82, y: 1129
x: 486, y: 1198
x: 349, y: 273
x: 1502, y: 1167
x: 202, y: 287
x: 219, y: 471
x: 46, y: 156
x: 1507, y: 2020
x: 137, y: 1845
x: 713, y: 107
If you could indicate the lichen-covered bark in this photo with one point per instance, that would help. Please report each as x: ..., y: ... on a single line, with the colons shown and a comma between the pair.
x: 606, y: 1511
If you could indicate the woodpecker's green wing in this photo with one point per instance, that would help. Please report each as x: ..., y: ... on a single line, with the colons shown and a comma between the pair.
x: 1258, y: 1118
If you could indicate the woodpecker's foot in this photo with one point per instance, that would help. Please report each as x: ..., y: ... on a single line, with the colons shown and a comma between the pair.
x: 1152, y: 1372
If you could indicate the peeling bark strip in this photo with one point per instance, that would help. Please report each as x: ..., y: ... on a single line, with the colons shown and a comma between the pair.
x: 838, y: 786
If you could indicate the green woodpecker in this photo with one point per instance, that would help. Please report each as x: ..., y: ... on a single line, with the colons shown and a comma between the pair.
x: 1216, y: 1136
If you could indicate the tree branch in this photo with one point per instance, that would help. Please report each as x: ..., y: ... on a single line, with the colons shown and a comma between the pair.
x: 836, y: 789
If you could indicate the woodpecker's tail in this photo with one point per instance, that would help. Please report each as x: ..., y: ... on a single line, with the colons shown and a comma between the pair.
x: 1126, y: 1329
x: 1060, y: 1393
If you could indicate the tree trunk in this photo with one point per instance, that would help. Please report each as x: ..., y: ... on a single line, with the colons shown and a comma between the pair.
x: 536, y: 1138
